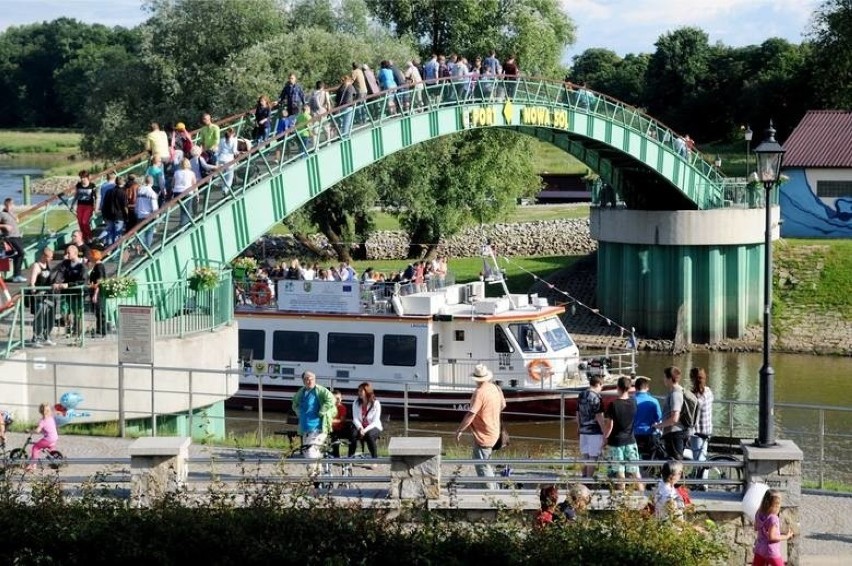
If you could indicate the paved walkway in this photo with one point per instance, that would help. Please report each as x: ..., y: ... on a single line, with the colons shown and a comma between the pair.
x: 826, y: 520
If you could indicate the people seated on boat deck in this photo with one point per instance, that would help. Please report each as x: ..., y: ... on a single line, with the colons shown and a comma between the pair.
x: 315, y: 407
x: 366, y: 419
x: 341, y: 428
x: 648, y: 412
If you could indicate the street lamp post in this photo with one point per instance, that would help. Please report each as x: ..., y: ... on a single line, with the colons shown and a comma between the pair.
x: 769, y: 154
x: 747, y: 135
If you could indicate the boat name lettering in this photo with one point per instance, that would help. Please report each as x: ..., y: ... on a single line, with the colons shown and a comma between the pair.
x: 419, y: 325
x: 462, y: 406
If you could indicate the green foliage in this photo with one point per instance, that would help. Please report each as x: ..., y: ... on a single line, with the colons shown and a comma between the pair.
x: 603, y: 70
x: 434, y: 200
x: 537, y: 31
x: 832, y: 37
x: 265, y: 523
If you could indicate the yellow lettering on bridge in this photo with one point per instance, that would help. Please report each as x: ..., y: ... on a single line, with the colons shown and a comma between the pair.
x: 482, y: 117
x: 543, y: 116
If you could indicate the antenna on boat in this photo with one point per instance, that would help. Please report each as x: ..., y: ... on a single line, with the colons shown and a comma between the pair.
x: 491, y: 271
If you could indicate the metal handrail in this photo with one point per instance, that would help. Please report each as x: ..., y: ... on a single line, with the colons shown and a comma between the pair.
x: 271, y: 158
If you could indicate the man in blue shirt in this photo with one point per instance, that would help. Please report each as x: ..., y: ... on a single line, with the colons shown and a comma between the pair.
x: 648, y: 412
x: 315, y: 407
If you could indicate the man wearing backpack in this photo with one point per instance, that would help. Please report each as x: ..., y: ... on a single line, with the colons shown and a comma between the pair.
x: 676, y: 414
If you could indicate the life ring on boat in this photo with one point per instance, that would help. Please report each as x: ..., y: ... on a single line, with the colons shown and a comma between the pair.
x: 260, y: 294
x: 539, y: 369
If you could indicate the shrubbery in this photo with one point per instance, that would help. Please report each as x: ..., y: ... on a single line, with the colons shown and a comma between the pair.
x: 271, y: 526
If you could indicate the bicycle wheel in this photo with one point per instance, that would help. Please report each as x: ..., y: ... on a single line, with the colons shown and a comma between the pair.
x: 728, y: 474
x: 17, y: 456
x: 55, y: 459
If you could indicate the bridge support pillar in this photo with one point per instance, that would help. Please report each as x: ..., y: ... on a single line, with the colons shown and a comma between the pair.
x: 690, y: 275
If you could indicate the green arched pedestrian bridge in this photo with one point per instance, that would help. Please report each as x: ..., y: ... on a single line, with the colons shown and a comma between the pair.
x: 641, y: 158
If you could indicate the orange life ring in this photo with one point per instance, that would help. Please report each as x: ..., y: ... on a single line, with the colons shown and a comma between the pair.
x: 260, y: 294
x: 539, y: 369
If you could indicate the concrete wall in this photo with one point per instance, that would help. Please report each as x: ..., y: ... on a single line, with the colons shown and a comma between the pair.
x: 719, y: 227
x: 42, y: 376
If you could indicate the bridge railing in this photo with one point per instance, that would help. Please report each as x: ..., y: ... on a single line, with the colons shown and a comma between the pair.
x: 43, y: 316
x: 45, y: 223
x: 272, y: 157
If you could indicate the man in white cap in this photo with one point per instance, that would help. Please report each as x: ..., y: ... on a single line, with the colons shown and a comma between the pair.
x: 483, y: 419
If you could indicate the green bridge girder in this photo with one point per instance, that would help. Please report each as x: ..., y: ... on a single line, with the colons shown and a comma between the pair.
x: 619, y: 142
x: 635, y: 154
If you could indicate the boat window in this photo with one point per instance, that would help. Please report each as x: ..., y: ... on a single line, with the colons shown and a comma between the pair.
x: 289, y: 346
x: 436, y: 349
x: 254, y: 340
x: 501, y: 341
x: 399, y: 350
x: 350, y: 348
x: 555, y: 334
x: 527, y: 337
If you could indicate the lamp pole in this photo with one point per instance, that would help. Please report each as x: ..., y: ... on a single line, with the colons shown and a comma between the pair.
x: 747, y: 135
x: 770, y: 155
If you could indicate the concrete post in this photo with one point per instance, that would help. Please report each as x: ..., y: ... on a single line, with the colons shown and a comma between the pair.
x: 779, y: 467
x: 415, y: 467
x: 157, y: 467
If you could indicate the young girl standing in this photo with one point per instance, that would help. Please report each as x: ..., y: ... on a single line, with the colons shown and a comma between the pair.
x: 767, y: 525
x: 47, y: 427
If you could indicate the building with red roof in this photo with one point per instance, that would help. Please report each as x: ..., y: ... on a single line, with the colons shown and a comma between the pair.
x: 816, y: 202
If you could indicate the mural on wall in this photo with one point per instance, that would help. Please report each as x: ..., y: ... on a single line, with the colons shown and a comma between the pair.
x: 804, y: 215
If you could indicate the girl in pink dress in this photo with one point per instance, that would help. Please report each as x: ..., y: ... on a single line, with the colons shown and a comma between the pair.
x: 47, y: 427
x: 767, y: 547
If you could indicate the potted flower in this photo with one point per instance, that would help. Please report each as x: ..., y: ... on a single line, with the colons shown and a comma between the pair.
x: 203, y: 279
x: 112, y: 287
x: 243, y: 266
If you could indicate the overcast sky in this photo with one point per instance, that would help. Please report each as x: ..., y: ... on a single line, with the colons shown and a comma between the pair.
x: 624, y: 26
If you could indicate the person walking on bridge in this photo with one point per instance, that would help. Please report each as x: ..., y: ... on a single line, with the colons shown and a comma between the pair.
x: 13, y: 236
x: 483, y: 419
x: 292, y: 97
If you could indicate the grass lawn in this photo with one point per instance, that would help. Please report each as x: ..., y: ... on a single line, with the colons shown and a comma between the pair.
x: 39, y: 141
x: 830, y: 290
x: 551, y: 159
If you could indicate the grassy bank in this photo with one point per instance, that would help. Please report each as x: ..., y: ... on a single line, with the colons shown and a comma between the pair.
x: 39, y: 141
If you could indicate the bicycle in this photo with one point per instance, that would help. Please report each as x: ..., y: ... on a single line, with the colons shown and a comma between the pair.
x: 324, y: 467
x: 54, y: 458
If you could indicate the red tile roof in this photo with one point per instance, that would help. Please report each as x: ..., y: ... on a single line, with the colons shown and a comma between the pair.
x: 822, y: 139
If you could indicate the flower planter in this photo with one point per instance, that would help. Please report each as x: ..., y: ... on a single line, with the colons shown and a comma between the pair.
x: 199, y: 284
x: 240, y: 273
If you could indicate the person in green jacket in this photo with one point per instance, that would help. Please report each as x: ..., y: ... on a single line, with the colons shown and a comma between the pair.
x: 303, y: 129
x: 315, y: 406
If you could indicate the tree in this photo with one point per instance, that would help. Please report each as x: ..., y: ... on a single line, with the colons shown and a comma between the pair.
x: 675, y: 74
x: 536, y: 31
x: 448, y: 184
x: 832, y: 42
x: 37, y: 92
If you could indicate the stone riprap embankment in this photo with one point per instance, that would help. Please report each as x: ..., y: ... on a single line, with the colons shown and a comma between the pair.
x: 543, y: 238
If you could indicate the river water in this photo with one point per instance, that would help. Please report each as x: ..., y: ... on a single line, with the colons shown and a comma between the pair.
x: 12, y: 172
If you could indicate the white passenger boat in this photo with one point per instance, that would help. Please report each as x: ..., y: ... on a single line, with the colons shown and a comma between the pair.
x: 417, y: 345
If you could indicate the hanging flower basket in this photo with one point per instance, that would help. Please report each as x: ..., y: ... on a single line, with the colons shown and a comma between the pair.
x: 243, y: 266
x: 203, y: 279
x: 115, y: 287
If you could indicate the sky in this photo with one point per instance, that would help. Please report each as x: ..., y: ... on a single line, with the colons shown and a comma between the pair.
x: 623, y: 26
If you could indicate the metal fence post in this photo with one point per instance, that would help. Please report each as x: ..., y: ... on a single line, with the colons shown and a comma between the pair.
x: 153, y: 412
x: 122, y: 422
x: 260, y: 409
x: 191, y: 406
x: 562, y: 426
x: 405, y: 408
x: 822, y: 448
